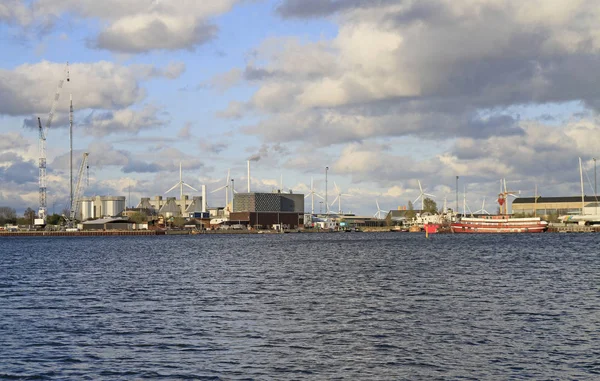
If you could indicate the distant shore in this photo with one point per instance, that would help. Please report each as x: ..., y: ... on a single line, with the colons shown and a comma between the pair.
x: 96, y: 233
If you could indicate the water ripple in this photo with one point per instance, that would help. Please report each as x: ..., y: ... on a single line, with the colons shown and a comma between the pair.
x: 300, y: 307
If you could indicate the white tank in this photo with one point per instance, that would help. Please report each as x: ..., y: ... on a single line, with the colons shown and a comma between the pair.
x: 86, y: 209
x: 110, y: 205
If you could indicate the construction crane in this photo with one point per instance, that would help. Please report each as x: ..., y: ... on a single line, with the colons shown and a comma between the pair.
x: 42, y: 211
x: 75, y: 204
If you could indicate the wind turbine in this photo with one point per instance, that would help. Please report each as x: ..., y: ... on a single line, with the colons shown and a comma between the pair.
x: 421, y: 194
x: 503, y: 196
x: 226, y: 187
x: 312, y: 195
x: 379, y: 211
x: 338, y: 198
x: 482, y: 210
x: 180, y: 184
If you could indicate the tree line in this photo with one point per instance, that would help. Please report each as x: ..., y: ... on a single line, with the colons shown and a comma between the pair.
x: 8, y: 216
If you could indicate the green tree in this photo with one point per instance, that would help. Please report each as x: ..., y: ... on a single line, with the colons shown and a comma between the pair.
x: 429, y: 206
x: 410, y: 213
x: 29, y: 215
x: 139, y: 217
x: 178, y: 222
x: 54, y: 219
x: 7, y: 215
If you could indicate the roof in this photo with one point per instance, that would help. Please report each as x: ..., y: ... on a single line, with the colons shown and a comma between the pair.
x: 401, y: 213
x: 104, y: 221
x: 540, y: 199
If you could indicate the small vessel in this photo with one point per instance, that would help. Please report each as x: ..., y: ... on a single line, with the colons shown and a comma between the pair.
x: 502, y: 223
x: 414, y: 229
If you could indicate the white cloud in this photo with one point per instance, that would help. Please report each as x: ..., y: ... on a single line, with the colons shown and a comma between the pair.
x: 126, y: 121
x: 428, y: 69
x: 13, y: 141
x: 29, y: 88
x: 131, y: 26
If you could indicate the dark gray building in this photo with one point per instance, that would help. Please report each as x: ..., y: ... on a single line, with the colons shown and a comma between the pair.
x: 268, y: 202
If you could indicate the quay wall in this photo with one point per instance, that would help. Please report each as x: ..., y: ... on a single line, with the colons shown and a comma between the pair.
x: 81, y: 233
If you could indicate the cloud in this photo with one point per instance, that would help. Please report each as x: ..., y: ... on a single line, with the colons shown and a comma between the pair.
x: 318, y: 8
x: 141, y: 33
x: 13, y: 141
x: 213, y: 147
x: 133, y: 26
x: 185, y: 132
x: 14, y: 12
x: 226, y: 80
x: 437, y: 69
x: 135, y: 166
x: 267, y: 150
x: 126, y: 121
x: 14, y: 169
x: 235, y: 110
x: 29, y: 88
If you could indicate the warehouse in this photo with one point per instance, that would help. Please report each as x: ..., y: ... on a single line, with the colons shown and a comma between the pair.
x: 559, y: 206
x: 107, y: 224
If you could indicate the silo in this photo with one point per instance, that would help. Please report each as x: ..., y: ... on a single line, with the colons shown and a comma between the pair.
x: 112, y: 205
x: 86, y: 209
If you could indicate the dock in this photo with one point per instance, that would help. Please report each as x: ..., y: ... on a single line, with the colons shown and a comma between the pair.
x: 573, y: 228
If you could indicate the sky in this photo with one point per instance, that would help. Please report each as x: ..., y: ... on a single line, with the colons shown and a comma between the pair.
x: 384, y: 93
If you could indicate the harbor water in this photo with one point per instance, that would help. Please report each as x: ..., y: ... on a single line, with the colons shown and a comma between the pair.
x: 356, y: 306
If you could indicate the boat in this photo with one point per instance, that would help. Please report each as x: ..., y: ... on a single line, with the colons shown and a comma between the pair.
x: 501, y: 223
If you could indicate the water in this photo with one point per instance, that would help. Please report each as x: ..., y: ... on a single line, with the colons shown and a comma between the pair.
x: 368, y: 306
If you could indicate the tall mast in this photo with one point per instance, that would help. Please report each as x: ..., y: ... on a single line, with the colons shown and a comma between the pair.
x: 581, y: 178
x: 71, y: 149
x: 43, y: 131
x: 181, y: 190
x: 535, y: 202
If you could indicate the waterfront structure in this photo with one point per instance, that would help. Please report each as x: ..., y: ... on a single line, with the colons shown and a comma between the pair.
x: 100, y: 206
x: 107, y: 224
x: 268, y: 202
x: 268, y: 209
x: 546, y: 206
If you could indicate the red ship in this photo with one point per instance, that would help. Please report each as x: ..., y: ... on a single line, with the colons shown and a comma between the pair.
x: 502, y: 223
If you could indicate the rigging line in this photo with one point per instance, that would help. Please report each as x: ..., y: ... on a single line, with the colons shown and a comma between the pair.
x: 590, y: 184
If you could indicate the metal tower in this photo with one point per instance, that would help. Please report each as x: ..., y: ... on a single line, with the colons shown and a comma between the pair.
x: 42, y: 211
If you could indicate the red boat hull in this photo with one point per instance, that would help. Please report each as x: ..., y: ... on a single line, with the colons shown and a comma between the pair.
x: 496, y: 228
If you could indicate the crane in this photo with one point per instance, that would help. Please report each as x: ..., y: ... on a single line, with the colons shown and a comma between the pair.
x: 42, y: 211
x: 75, y: 204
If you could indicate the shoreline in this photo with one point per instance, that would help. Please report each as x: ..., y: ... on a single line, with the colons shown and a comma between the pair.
x: 108, y: 233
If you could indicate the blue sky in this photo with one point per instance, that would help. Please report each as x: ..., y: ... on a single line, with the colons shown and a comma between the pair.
x: 383, y: 93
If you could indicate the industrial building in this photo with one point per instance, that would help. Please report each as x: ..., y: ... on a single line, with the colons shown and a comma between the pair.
x: 268, y: 202
x: 100, y: 206
x: 546, y: 206
x: 107, y: 224
x: 268, y: 209
x: 171, y: 207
